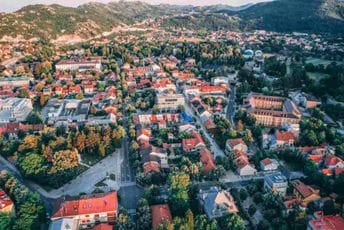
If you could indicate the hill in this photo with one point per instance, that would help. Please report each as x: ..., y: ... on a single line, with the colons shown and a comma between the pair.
x: 50, y: 21
x: 314, y: 16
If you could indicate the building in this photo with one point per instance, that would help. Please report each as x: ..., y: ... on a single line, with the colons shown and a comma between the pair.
x: 6, y: 204
x: 89, y: 210
x: 194, y: 143
x: 207, y: 160
x: 304, y: 192
x: 14, y: 82
x: 64, y: 224
x: 276, y: 183
x: 160, y: 214
x: 321, y: 222
x: 78, y: 64
x: 269, y: 164
x: 236, y: 144
x: 14, y: 109
x: 217, y: 203
x: 169, y: 101
x: 284, y: 139
x: 271, y: 110
x: 66, y: 111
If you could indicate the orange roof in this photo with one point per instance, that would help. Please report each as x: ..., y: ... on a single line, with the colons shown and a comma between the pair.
x: 213, y: 88
x: 5, y: 201
x: 91, y: 204
x: 190, y: 143
x: 207, y: 160
x: 103, y: 227
x: 316, y: 158
x: 151, y: 166
x: 266, y: 161
x: 160, y: 213
x: 327, y: 172
x: 338, y: 171
x: 285, y: 136
x: 328, y: 223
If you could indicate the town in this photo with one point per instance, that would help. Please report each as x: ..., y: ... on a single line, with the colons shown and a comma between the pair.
x: 173, y: 129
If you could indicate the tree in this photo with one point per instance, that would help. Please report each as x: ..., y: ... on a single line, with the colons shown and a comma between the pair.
x: 30, y: 142
x: 243, y: 194
x: 329, y: 208
x: 143, y: 215
x: 190, y: 220
x: 5, y: 221
x: 65, y: 159
x: 178, y: 192
x: 33, y: 165
x: 235, y: 222
x: 252, y: 209
x: 34, y: 119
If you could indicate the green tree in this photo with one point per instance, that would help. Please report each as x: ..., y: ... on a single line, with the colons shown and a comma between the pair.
x: 5, y: 221
x: 235, y: 222
x: 143, y: 215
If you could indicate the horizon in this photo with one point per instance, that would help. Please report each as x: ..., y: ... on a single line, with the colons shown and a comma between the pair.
x: 8, y: 6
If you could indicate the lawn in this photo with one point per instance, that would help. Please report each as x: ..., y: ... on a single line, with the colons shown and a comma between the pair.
x: 319, y: 61
x: 317, y: 76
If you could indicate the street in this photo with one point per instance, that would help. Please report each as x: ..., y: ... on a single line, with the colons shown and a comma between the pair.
x: 230, y: 113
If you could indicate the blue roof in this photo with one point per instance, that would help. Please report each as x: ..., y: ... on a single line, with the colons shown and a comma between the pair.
x: 185, y: 117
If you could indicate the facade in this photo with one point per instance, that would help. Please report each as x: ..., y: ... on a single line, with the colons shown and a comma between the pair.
x: 236, y: 144
x: 14, y: 109
x: 170, y: 101
x: 217, y: 203
x: 272, y: 111
x: 269, y: 164
x: 276, y: 183
x: 15, y: 82
x: 321, y: 222
x: 207, y: 160
x: 77, y: 64
x: 90, y: 209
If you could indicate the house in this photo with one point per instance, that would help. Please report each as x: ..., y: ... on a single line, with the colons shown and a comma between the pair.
x: 88, y: 89
x: 269, y: 164
x: 6, y: 204
x: 217, y: 203
x: 304, y: 192
x: 103, y: 227
x: 332, y: 162
x: 244, y: 168
x: 210, y: 126
x: 64, y: 224
x: 160, y: 214
x: 291, y: 204
x: 236, y: 144
x: 151, y: 166
x: 194, y: 143
x: 89, y: 209
x: 276, y: 183
x: 153, y: 153
x: 207, y: 160
x: 143, y: 134
x: 187, y: 128
x: 284, y: 139
x: 321, y: 222
x: 316, y: 158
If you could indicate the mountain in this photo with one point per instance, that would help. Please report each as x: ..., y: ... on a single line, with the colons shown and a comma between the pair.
x: 314, y: 16
x: 50, y: 21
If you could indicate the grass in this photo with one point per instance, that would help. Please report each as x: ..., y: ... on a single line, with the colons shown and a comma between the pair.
x: 316, y: 76
x: 319, y: 61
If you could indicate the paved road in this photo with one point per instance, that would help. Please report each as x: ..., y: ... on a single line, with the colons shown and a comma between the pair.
x: 230, y: 113
x: 214, y: 146
x: 126, y: 170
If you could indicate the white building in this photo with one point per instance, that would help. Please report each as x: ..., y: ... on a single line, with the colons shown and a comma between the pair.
x: 80, y: 64
x: 269, y: 164
x: 170, y: 101
x: 276, y: 183
x: 14, y: 109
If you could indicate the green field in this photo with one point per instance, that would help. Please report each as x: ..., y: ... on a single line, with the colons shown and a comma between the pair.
x: 319, y: 61
x: 317, y: 76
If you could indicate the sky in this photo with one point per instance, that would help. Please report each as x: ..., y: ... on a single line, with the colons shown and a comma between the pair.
x: 12, y: 5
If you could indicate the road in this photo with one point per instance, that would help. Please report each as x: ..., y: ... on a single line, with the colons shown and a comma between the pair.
x: 230, y: 113
x: 127, y: 174
x: 213, y: 145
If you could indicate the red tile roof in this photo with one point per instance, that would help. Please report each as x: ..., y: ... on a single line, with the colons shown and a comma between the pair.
x: 285, y: 136
x: 191, y: 143
x: 338, y: 171
x: 5, y: 201
x: 332, y: 160
x: 91, y: 204
x: 303, y: 189
x: 207, y: 160
x: 235, y: 142
x: 160, y: 213
x: 328, y: 223
x: 316, y: 158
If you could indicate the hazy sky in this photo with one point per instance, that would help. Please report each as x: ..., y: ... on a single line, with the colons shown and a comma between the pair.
x: 12, y: 5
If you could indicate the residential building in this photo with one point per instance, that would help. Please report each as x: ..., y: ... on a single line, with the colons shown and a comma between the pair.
x: 304, y: 192
x: 169, y: 101
x: 332, y: 162
x: 269, y: 164
x: 271, y: 110
x: 276, y: 183
x: 284, y: 139
x: 207, y: 160
x: 78, y: 64
x: 321, y: 222
x: 15, y: 82
x: 236, y: 144
x: 89, y: 210
x: 64, y: 224
x: 14, y: 109
x: 194, y: 143
x: 160, y: 214
x: 6, y: 204
x: 217, y: 203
